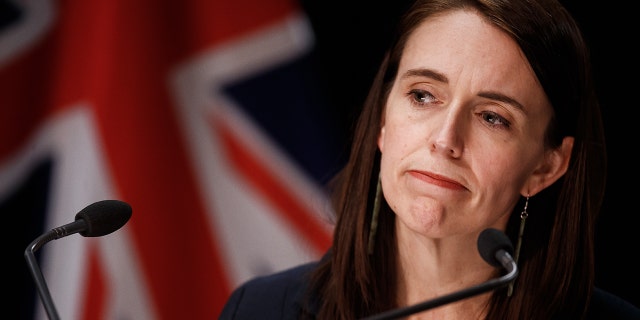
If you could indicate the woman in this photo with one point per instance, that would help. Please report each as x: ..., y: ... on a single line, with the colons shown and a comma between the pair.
x: 482, y: 115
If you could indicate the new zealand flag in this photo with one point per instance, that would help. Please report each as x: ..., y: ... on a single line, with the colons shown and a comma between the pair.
x: 203, y: 115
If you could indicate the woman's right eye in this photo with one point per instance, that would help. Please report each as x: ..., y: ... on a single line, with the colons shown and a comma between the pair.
x: 421, y: 97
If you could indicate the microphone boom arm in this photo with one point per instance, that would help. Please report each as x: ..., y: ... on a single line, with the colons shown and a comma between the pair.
x: 455, y: 296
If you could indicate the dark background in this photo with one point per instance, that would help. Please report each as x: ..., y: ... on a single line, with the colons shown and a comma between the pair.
x: 351, y: 36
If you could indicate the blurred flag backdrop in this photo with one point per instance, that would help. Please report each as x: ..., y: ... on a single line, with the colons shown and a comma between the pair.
x: 202, y: 115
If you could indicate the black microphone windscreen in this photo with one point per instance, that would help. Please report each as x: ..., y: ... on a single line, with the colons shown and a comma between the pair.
x: 104, y: 217
x: 490, y: 241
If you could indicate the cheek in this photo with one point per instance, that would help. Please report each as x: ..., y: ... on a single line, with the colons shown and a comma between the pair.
x: 398, y: 151
x: 395, y: 143
x: 387, y: 143
x: 381, y: 139
x: 503, y: 170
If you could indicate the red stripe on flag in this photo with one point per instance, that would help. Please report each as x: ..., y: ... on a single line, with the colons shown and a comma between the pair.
x: 275, y: 192
x: 117, y: 57
x: 146, y: 146
x: 94, y: 305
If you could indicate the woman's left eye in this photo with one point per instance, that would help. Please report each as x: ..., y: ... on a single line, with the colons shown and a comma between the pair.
x: 495, y: 119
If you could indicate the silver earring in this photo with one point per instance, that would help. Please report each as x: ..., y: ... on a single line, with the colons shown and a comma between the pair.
x: 523, y: 218
x: 373, y: 228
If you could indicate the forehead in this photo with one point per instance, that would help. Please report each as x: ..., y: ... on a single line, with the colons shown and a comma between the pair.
x: 464, y: 46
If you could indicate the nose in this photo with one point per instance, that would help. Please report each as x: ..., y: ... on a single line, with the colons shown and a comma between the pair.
x: 446, y: 138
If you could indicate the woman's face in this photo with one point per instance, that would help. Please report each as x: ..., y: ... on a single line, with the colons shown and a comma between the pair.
x: 463, y: 129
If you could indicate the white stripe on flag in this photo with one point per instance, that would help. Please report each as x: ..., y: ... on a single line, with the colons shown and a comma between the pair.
x: 255, y: 240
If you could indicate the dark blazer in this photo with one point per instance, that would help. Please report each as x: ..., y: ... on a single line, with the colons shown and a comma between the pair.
x: 277, y: 296
x: 281, y: 296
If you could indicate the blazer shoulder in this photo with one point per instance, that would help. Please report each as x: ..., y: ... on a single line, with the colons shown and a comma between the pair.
x: 275, y: 296
x: 605, y: 305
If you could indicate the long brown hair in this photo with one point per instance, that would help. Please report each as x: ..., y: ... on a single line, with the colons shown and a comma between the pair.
x: 556, y: 260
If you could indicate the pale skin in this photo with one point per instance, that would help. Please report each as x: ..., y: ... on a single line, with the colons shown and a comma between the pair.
x: 462, y: 140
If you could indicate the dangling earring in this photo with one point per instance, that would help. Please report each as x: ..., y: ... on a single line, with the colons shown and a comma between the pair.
x: 523, y: 218
x: 373, y: 228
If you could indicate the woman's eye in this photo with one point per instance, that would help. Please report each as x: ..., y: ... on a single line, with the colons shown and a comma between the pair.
x: 421, y: 97
x: 495, y: 119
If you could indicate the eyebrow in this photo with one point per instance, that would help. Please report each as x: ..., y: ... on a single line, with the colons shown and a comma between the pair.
x: 429, y: 73
x: 501, y: 97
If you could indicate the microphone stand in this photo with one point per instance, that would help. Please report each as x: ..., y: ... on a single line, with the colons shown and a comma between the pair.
x: 40, y: 282
x: 97, y: 219
x: 455, y: 296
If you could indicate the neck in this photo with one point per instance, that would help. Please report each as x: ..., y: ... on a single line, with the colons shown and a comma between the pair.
x: 431, y: 268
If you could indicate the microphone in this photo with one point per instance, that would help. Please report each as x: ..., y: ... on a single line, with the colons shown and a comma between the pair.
x: 95, y: 220
x: 496, y: 249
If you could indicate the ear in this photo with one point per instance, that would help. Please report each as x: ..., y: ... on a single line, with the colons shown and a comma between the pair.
x: 555, y: 166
